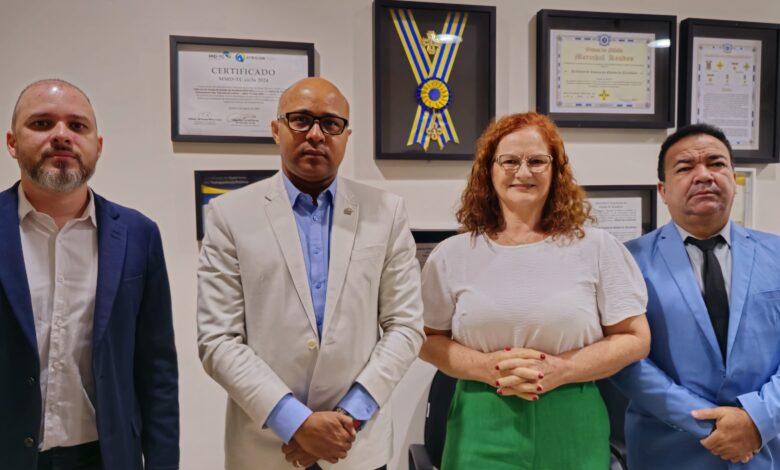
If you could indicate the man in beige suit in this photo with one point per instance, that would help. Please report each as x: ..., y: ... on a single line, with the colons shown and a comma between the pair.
x: 309, y: 309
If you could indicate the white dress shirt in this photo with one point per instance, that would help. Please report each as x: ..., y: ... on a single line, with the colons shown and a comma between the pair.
x: 61, y: 266
x: 722, y: 254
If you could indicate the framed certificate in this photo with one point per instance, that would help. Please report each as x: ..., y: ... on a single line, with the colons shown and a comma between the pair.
x: 226, y: 90
x: 213, y: 183
x: 627, y: 211
x: 427, y: 240
x: 434, y: 74
x: 729, y: 78
x: 605, y: 69
x: 743, y: 209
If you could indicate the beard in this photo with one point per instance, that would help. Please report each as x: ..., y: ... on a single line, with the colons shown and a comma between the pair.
x: 59, y: 177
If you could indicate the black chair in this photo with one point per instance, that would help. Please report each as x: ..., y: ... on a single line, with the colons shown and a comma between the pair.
x: 428, y: 456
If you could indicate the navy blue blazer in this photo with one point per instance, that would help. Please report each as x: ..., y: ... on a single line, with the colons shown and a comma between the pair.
x: 133, y: 352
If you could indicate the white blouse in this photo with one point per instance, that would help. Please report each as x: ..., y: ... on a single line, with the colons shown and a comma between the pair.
x: 553, y: 296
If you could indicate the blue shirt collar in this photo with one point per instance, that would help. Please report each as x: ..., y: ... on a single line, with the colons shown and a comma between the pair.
x: 294, y: 193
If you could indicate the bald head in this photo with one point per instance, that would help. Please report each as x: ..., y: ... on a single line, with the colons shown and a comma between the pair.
x: 311, y: 88
x: 43, y: 85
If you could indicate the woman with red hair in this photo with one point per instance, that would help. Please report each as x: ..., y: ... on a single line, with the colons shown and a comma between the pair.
x: 528, y: 307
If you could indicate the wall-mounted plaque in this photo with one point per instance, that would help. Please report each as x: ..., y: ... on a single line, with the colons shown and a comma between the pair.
x: 627, y: 211
x: 211, y: 184
x: 729, y: 78
x: 226, y: 90
x: 605, y: 69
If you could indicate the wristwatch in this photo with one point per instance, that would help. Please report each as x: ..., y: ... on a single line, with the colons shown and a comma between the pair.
x: 356, y: 423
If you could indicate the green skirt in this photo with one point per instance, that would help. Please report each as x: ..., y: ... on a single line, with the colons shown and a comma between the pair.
x: 567, y: 428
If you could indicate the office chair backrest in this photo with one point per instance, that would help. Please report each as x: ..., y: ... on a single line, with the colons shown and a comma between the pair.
x: 616, y: 407
x: 439, y: 399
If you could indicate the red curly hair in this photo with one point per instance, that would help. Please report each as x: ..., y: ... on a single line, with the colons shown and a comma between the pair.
x: 566, y: 210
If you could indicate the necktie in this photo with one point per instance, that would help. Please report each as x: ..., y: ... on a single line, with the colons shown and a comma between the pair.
x: 715, y: 297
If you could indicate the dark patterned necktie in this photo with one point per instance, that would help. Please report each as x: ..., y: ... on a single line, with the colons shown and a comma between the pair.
x: 715, y: 297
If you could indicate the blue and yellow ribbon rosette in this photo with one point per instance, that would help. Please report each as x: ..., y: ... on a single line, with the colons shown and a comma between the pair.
x: 432, y: 121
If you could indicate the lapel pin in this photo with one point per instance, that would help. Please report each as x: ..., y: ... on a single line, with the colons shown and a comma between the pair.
x: 348, y: 211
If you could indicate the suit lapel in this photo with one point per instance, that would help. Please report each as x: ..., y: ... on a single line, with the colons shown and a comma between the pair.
x: 676, y: 258
x: 112, y: 242
x: 282, y: 221
x: 342, y: 237
x: 742, y: 253
x: 13, y: 275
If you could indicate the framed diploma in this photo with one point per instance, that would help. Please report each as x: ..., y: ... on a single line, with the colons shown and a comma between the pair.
x: 210, y: 184
x: 729, y: 78
x: 226, y: 90
x: 427, y: 240
x: 627, y: 211
x: 742, y: 211
x: 434, y: 74
x: 605, y: 69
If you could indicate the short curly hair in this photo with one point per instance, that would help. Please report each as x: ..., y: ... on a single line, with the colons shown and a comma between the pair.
x: 566, y: 210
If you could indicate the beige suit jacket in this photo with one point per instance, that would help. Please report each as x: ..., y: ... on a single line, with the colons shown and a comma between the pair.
x: 257, y: 333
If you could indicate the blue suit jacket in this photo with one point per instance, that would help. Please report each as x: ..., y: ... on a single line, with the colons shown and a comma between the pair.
x: 133, y: 353
x: 685, y: 371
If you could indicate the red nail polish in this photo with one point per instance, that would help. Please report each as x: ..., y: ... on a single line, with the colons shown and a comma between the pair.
x: 497, y: 384
x: 541, y: 376
x: 499, y: 392
x: 542, y: 356
x: 507, y: 349
x: 536, y: 397
x: 538, y: 388
x: 497, y: 368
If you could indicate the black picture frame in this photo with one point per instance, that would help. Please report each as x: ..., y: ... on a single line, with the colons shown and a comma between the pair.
x: 769, y: 109
x: 223, y: 180
x: 427, y: 239
x: 471, y: 83
x: 648, y: 193
x: 175, y: 43
x: 663, y: 26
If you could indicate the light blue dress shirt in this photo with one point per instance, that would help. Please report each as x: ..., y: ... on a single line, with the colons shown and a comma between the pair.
x: 314, y: 222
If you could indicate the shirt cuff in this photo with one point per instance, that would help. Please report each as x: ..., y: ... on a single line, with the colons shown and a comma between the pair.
x: 359, y: 403
x: 287, y: 416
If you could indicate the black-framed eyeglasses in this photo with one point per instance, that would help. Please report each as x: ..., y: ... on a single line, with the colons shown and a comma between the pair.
x: 299, y: 121
x: 535, y: 163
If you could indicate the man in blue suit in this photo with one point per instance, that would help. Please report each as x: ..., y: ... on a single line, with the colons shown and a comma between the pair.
x: 708, y: 395
x: 88, y: 374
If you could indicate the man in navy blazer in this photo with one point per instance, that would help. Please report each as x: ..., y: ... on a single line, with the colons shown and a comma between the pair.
x: 88, y: 372
x: 708, y: 395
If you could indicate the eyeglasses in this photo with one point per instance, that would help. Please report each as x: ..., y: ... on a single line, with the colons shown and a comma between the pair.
x: 302, y: 122
x: 535, y: 163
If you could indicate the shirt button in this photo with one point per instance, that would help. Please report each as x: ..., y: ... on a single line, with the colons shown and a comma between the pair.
x: 31, y: 380
x: 316, y: 218
x: 311, y: 344
x: 60, y: 278
x: 29, y: 442
x: 316, y: 251
x: 318, y: 285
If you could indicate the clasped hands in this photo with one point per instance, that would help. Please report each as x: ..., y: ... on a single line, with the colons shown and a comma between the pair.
x: 324, y: 435
x: 734, y: 436
x: 525, y: 373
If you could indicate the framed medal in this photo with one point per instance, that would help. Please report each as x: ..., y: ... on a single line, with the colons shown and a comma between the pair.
x: 434, y: 73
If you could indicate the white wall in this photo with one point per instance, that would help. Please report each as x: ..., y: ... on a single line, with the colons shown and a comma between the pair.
x: 117, y: 51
